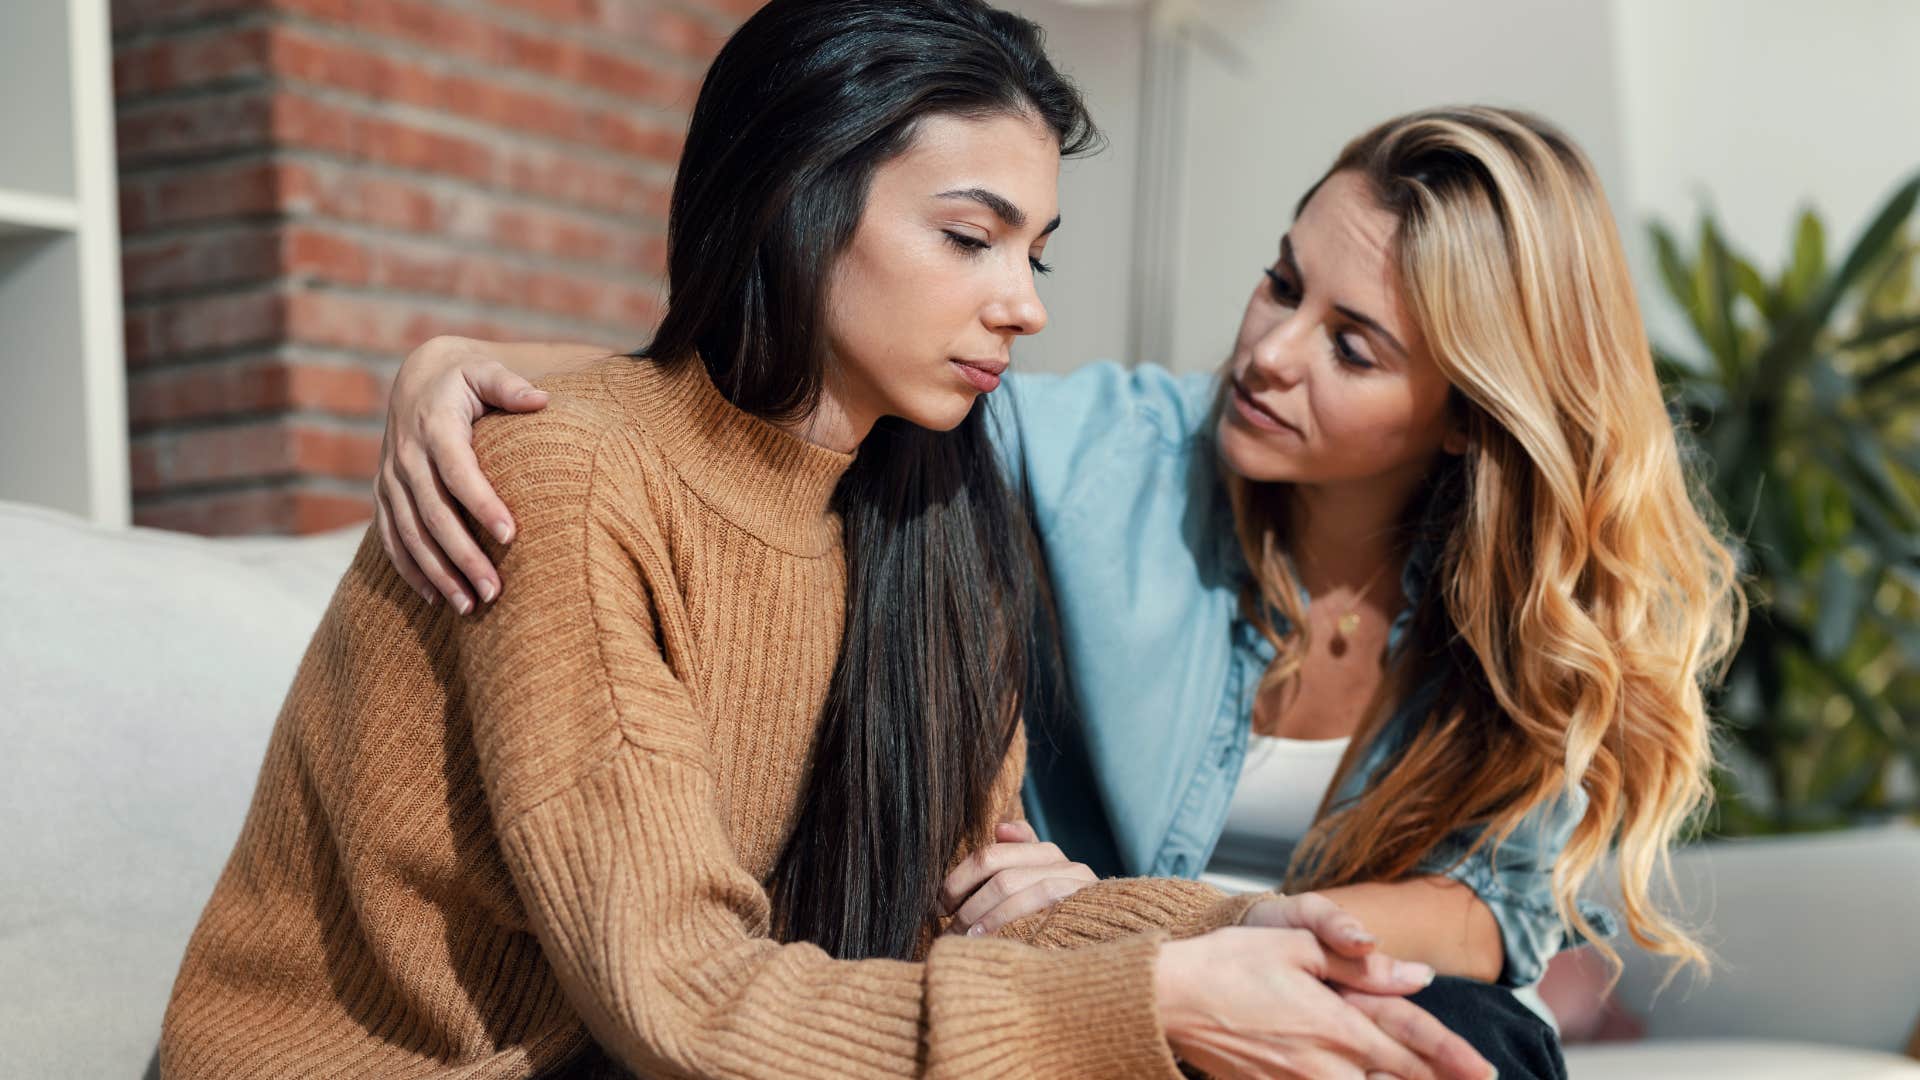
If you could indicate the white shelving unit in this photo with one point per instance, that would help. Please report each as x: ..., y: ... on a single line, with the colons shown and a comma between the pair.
x: 63, y: 412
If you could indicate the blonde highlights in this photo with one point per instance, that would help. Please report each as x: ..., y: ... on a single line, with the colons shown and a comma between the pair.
x: 1583, y: 598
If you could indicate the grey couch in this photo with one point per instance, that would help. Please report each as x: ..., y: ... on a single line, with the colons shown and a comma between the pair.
x: 140, y: 673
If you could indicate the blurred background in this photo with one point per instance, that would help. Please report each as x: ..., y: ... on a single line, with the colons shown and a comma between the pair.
x: 224, y: 222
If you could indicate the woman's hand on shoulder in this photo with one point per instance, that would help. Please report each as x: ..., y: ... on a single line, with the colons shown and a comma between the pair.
x: 428, y: 471
x: 1014, y: 876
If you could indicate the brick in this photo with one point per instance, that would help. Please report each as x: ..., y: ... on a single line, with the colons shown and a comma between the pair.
x: 310, y: 252
x: 129, y: 16
x: 223, y: 122
x: 390, y: 327
x: 179, y: 263
x: 344, y: 455
x: 311, y: 188
x: 199, y: 193
x: 298, y: 120
x: 312, y: 512
x: 367, y: 73
x: 259, y: 384
x: 267, y: 449
x: 214, y: 455
x: 170, y: 64
x: 175, y: 328
x: 257, y: 511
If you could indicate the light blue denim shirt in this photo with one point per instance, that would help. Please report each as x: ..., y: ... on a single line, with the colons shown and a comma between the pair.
x: 1147, y: 575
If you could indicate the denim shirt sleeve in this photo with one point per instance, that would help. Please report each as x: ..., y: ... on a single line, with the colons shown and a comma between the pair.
x: 1515, y: 881
x: 1048, y: 429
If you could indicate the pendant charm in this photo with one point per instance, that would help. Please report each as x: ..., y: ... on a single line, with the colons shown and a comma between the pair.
x: 1348, y: 623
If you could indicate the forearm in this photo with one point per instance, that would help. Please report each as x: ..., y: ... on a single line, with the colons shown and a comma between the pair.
x: 1434, y: 920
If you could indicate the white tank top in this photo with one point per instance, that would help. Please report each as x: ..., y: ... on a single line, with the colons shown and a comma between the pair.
x: 1281, y: 784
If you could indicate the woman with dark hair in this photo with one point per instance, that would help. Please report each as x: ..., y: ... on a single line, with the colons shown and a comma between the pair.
x: 681, y: 801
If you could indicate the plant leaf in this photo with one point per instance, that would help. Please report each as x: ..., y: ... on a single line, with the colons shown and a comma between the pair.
x: 1808, y: 263
x: 1891, y: 371
x: 1843, y: 598
x: 1882, y: 330
x: 1790, y: 345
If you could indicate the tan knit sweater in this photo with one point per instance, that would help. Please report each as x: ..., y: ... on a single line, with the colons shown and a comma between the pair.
x: 480, y: 846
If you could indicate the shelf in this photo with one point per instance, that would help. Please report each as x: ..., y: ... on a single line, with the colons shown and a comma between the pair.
x: 26, y: 212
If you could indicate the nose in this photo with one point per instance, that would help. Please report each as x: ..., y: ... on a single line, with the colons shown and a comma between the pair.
x: 1281, y: 353
x: 1018, y: 309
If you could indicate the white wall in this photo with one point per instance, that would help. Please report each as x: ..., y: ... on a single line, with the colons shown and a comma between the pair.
x: 1315, y: 74
x: 1758, y: 107
x: 1086, y: 298
x: 1754, y: 106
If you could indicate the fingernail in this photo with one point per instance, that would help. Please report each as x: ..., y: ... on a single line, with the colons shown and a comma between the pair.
x: 1359, y: 936
x: 503, y: 531
x: 976, y: 929
x: 486, y: 592
x: 429, y: 596
x: 1408, y: 971
x: 462, y: 604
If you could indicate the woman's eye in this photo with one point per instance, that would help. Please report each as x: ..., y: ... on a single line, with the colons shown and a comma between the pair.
x: 964, y: 242
x: 1040, y: 267
x: 1350, y: 356
x: 1280, y: 288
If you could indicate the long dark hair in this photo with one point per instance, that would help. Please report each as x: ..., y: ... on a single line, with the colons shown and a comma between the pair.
x: 800, y: 107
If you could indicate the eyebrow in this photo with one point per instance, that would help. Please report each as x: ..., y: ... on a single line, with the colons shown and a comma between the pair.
x: 1286, y: 256
x: 1000, y: 205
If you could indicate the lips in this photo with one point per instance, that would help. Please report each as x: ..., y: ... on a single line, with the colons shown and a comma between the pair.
x: 983, y: 374
x: 1259, y: 415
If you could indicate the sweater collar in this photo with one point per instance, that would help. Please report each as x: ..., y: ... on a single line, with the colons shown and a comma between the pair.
x: 775, y: 485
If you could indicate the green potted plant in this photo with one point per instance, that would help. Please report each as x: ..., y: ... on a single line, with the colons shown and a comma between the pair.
x: 1801, y: 392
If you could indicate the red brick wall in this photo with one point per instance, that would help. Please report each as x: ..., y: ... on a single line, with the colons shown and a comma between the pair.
x: 309, y: 188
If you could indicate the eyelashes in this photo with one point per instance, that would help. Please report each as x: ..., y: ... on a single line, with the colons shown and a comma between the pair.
x: 1279, y: 287
x: 973, y: 245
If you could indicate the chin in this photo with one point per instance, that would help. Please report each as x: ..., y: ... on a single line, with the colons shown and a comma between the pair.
x: 1245, y: 455
x: 940, y: 411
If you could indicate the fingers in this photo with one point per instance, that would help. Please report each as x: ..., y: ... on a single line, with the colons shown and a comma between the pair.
x: 1378, y: 974
x: 1336, y: 928
x: 1017, y: 892
x: 396, y: 551
x: 976, y: 869
x: 497, y: 385
x: 435, y: 509
x: 1408, y: 1025
x: 1372, y: 1047
x: 1015, y: 832
x: 420, y: 546
x: 449, y: 450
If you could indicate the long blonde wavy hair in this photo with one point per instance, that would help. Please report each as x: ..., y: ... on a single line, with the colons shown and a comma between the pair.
x: 1583, y: 599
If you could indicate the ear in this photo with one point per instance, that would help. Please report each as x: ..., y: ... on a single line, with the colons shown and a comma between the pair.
x: 1455, y: 442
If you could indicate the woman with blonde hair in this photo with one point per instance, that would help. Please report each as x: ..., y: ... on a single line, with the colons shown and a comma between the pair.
x: 1412, y: 601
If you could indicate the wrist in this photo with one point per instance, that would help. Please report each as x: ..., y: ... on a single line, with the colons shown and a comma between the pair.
x: 1172, y: 992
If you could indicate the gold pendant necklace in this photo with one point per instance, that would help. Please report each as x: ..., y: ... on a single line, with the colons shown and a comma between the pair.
x: 1347, y: 624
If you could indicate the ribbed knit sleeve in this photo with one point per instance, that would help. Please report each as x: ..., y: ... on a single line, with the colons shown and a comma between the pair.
x: 596, y: 762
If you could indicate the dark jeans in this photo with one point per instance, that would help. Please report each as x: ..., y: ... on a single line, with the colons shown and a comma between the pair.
x: 1507, y: 1033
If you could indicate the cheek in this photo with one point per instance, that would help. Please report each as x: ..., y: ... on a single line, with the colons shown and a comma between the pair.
x: 1380, y: 426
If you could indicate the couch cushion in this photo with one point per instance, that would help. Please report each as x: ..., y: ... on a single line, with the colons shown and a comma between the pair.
x: 141, y: 671
x: 1714, y: 1059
